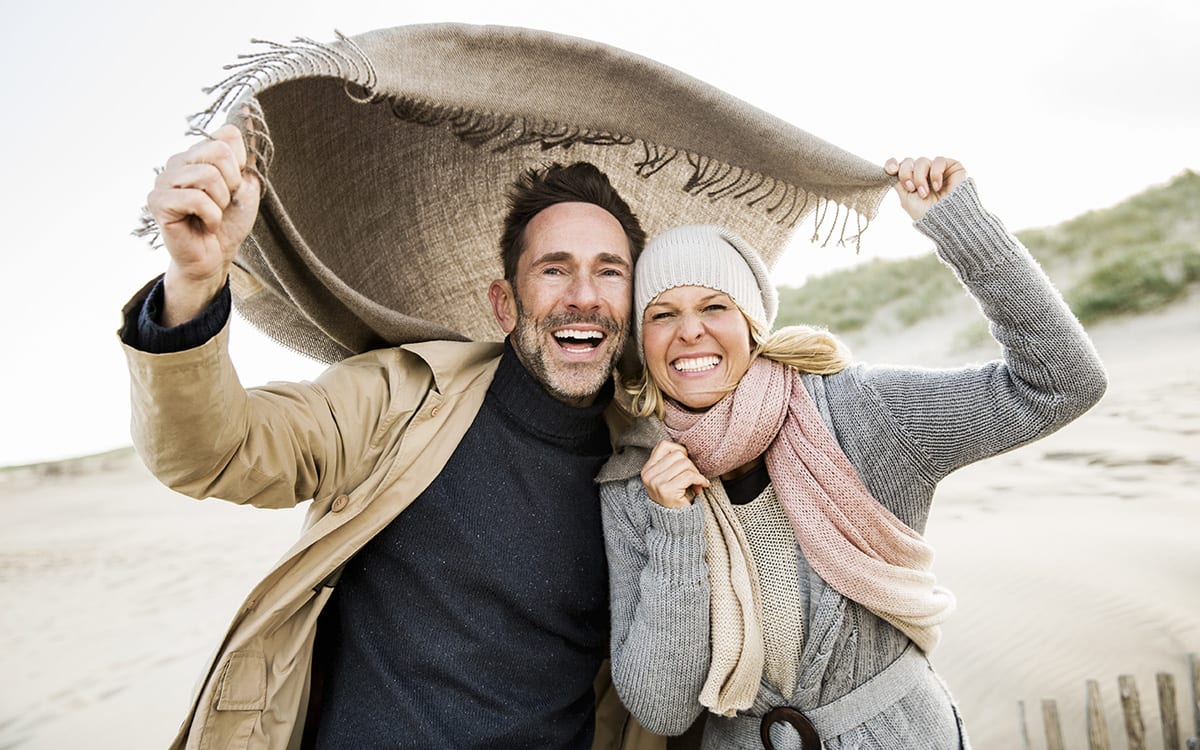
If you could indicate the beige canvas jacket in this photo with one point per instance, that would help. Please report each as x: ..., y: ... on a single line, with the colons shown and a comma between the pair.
x: 362, y: 442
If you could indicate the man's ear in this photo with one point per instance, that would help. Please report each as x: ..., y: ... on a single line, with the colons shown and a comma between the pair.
x: 504, y: 305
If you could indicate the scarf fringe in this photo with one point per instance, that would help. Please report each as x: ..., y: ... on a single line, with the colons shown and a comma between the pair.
x: 278, y: 63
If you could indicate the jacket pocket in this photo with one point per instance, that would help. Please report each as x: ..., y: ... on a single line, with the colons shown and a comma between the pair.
x: 243, y: 683
x: 241, y: 696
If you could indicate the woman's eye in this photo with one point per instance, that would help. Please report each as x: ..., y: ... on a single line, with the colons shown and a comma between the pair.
x: 660, y: 316
x: 716, y: 307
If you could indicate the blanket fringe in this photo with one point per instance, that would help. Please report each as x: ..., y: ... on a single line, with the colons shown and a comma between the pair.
x: 656, y: 158
x: 304, y: 57
x: 254, y: 72
x: 502, y: 132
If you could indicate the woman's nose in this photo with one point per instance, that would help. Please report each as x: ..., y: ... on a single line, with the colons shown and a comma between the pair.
x: 690, y: 327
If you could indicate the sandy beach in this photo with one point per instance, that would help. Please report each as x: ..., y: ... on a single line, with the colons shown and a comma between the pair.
x: 1075, y: 558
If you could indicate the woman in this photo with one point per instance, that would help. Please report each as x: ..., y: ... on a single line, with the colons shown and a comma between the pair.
x: 765, y: 551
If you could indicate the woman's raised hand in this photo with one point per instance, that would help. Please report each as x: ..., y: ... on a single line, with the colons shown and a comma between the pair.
x: 921, y: 182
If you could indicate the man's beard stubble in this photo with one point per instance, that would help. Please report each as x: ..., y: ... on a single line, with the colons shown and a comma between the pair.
x: 564, y: 381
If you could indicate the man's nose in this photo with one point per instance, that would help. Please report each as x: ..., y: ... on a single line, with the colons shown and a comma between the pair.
x: 584, y: 293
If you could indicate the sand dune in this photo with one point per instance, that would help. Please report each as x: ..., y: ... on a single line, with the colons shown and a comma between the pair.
x: 114, y: 592
x: 1075, y: 558
x: 1078, y: 557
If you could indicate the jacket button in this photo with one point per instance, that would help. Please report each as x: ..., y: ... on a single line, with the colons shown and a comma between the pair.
x: 340, y: 503
x: 434, y: 411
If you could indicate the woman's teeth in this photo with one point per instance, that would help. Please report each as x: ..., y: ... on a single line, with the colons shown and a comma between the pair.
x: 694, y: 364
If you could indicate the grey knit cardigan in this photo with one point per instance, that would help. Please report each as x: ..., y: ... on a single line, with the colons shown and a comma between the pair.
x: 904, y: 429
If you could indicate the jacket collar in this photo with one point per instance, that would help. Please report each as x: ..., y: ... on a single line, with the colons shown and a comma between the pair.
x: 456, y: 365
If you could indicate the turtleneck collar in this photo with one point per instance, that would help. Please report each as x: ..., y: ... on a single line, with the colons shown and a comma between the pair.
x: 517, y: 393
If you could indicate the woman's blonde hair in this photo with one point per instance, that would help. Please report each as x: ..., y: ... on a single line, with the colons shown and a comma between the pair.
x: 804, y: 348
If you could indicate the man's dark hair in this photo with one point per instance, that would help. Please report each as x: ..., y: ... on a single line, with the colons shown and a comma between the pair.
x: 539, y: 188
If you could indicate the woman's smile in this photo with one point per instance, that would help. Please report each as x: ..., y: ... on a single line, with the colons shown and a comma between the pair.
x: 696, y: 342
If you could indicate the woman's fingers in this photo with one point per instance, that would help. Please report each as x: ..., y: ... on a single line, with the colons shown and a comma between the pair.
x: 670, y: 477
x: 922, y: 181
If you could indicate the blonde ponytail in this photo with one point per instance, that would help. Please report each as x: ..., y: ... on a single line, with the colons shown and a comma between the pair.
x: 805, y: 348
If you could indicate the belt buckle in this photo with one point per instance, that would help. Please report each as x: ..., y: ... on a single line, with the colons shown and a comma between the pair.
x: 809, y: 739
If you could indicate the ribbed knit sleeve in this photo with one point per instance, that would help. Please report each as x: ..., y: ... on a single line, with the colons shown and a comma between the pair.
x: 143, y: 330
x: 1049, y: 372
x: 659, y: 597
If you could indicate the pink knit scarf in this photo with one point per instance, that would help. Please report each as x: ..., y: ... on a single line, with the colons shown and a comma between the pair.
x: 849, y: 538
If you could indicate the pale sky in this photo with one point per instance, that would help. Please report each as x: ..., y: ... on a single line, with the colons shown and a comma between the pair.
x: 1056, y: 108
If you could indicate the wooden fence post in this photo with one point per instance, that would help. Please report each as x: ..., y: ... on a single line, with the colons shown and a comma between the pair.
x: 1174, y: 735
x: 1168, y: 710
x: 1054, y: 738
x: 1194, y: 673
x: 1131, y: 704
x: 1097, y: 728
x: 1025, y: 743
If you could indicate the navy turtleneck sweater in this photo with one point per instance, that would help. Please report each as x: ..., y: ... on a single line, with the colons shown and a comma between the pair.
x: 479, y: 617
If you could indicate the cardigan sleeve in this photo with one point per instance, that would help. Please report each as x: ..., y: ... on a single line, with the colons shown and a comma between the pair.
x: 1049, y: 372
x: 659, y: 598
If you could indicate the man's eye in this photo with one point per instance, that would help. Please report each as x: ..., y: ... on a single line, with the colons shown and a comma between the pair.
x: 613, y: 272
x: 552, y: 271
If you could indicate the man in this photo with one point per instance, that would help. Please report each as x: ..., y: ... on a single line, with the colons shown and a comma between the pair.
x: 476, y: 618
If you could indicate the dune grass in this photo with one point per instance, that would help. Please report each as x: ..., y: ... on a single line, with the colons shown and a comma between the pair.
x: 1132, y: 258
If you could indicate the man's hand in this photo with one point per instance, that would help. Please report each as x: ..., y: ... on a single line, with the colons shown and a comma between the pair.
x: 205, y: 205
x: 922, y: 182
x: 671, y: 479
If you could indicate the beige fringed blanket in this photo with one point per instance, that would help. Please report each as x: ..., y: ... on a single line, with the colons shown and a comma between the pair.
x: 387, y: 155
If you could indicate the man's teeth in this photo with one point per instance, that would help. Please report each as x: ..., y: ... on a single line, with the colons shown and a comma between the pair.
x: 696, y: 363
x: 573, y: 336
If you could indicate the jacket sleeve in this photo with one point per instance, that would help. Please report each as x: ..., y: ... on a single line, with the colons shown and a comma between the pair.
x: 1049, y: 373
x: 202, y: 434
x: 659, y: 599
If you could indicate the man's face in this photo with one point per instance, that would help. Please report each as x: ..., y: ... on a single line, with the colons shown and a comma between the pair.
x: 568, y: 314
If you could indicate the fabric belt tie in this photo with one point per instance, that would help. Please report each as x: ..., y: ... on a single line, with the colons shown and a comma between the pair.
x: 839, y: 716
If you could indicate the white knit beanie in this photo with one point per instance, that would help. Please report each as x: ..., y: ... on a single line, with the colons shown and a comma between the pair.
x: 709, y: 256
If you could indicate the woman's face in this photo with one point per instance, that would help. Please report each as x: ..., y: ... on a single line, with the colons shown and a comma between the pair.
x: 696, y: 344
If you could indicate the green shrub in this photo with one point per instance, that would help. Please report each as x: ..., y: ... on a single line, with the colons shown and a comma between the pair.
x: 1155, y: 216
x: 1134, y: 257
x: 911, y: 289
x: 973, y: 335
x: 1142, y: 279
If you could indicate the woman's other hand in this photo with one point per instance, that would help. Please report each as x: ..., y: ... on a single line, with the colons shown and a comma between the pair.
x: 921, y: 182
x: 671, y: 479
